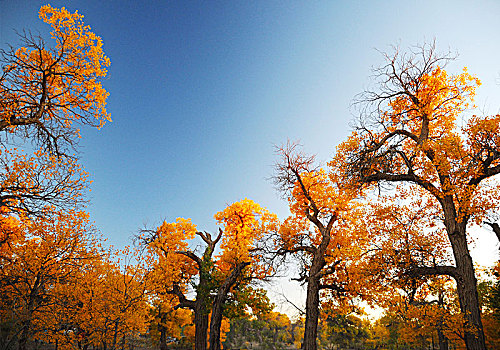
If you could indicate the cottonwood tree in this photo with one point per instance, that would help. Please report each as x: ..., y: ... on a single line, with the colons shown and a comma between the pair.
x: 46, y: 91
x: 243, y: 259
x: 177, y: 265
x: 47, y: 254
x: 320, y: 233
x: 37, y: 184
x: 413, y: 133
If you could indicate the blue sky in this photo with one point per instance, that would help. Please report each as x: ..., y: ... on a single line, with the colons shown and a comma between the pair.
x: 201, y: 91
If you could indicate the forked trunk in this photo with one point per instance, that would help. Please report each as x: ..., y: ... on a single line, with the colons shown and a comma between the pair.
x: 215, y: 325
x: 218, y: 305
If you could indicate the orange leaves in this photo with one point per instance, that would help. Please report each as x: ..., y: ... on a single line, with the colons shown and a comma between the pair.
x: 173, y: 237
x: 31, y: 184
x: 169, y: 266
x: 106, y: 298
x: 244, y: 223
x: 83, y: 57
x: 48, y: 253
x: 175, y: 261
x: 320, y: 190
x: 413, y: 135
x: 69, y: 30
x: 435, y: 97
x: 45, y: 90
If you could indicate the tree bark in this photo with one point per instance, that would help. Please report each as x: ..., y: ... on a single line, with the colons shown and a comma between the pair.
x: 26, y: 329
x: 218, y: 305
x: 312, y: 314
x: 467, y: 288
x: 200, y: 325
x: 496, y: 229
x: 465, y: 276
x: 163, y: 331
x: 115, y: 335
x: 443, y: 341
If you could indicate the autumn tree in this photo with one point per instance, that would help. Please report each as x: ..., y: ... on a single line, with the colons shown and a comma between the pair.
x: 169, y: 323
x: 175, y: 266
x: 320, y: 232
x: 413, y: 134
x: 396, y: 248
x: 102, y: 304
x: 214, y: 276
x: 47, y: 254
x: 242, y: 259
x: 34, y: 185
x: 272, y: 330
x: 48, y: 90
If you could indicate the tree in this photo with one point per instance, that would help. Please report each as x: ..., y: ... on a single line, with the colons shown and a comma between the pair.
x: 270, y: 330
x: 245, y: 224
x: 46, y: 90
x: 320, y: 232
x: 103, y: 304
x: 397, y: 248
x: 177, y: 265
x: 46, y: 93
x: 409, y: 135
x: 169, y: 323
x: 38, y: 184
x: 48, y: 254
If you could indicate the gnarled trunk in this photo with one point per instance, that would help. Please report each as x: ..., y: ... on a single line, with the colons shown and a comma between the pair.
x: 200, y: 325
x: 163, y: 330
x: 443, y: 341
x: 218, y: 305
x: 312, y: 314
x: 469, y: 303
x: 312, y: 299
x: 467, y: 288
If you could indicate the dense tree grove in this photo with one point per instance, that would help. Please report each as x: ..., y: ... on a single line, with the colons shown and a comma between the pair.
x: 384, y: 224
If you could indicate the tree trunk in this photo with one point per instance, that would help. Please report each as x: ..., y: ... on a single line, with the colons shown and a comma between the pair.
x: 115, y: 336
x: 443, y: 341
x: 23, y: 337
x: 312, y: 314
x: 215, y: 324
x: 220, y: 299
x: 467, y: 291
x: 200, y: 325
x: 163, y: 331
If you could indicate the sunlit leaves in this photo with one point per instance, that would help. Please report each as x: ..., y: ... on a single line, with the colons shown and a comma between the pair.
x: 46, y: 89
x: 244, y: 224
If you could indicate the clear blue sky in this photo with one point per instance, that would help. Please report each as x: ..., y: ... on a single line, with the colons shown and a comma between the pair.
x: 201, y: 91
